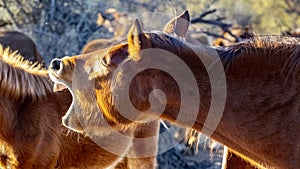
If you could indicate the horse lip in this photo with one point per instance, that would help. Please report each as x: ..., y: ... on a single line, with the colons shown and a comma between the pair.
x: 70, y: 125
x: 58, y: 87
x: 52, y: 74
x: 57, y: 81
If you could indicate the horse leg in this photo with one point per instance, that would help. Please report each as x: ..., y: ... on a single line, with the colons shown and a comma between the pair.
x: 233, y: 161
x: 142, y: 153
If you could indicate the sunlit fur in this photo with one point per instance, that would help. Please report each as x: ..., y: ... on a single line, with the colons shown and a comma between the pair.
x: 95, y: 123
x: 260, y: 122
x: 80, y: 74
x: 262, y: 97
x: 20, y: 78
x: 31, y: 133
x: 261, y: 111
x: 262, y: 74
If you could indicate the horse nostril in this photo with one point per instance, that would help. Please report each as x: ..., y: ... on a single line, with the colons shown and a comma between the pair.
x: 55, y: 64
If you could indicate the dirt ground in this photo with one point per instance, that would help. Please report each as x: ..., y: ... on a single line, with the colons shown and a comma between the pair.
x: 180, y: 156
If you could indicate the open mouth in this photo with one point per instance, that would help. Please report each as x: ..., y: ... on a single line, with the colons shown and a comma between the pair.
x: 59, y: 84
x: 69, y: 120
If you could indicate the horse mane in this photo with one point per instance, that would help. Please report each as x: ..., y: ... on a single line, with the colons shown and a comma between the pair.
x: 277, y: 50
x: 273, y: 51
x: 20, y: 79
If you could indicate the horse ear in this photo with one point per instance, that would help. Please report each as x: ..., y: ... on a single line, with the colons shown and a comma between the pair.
x: 137, y: 40
x: 178, y: 25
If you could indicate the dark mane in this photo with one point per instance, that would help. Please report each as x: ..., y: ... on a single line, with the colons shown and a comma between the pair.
x: 20, y: 78
x: 165, y: 41
x: 266, y: 50
x: 271, y: 53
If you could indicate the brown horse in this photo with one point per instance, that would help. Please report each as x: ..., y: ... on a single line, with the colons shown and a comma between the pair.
x: 22, y: 43
x: 260, y: 121
x: 31, y: 134
x: 232, y: 161
x: 140, y: 153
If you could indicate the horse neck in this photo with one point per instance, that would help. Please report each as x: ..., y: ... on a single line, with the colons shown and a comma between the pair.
x: 249, y: 86
x: 261, y: 96
x: 18, y: 83
x: 9, y: 113
x: 17, y: 110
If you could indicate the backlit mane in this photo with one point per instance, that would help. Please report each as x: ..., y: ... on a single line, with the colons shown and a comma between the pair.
x: 273, y: 51
x: 20, y: 78
x: 279, y: 50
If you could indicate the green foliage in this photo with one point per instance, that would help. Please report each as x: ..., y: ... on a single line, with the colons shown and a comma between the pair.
x: 61, y: 27
x: 264, y: 16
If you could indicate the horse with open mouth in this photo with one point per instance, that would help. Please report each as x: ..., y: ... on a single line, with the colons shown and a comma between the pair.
x: 31, y: 134
x: 260, y: 121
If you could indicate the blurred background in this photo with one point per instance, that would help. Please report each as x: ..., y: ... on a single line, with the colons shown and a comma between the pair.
x: 63, y: 27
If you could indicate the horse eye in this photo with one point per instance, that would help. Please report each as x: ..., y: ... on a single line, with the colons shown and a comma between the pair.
x: 104, y: 63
